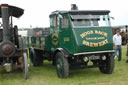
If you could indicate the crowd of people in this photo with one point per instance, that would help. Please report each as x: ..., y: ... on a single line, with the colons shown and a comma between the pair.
x: 117, y: 41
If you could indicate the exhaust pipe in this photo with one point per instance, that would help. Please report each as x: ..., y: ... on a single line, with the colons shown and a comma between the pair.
x: 74, y: 7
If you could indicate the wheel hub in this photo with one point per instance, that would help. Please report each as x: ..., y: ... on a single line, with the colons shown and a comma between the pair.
x: 59, y: 66
x: 7, y: 49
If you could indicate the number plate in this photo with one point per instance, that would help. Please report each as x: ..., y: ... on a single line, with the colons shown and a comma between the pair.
x: 94, y: 57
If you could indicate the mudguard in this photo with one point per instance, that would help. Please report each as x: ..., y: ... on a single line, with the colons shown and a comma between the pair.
x: 64, y: 51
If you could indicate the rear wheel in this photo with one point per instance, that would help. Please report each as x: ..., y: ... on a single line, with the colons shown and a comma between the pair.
x: 62, y: 66
x: 31, y: 56
x: 107, y: 66
x: 36, y: 57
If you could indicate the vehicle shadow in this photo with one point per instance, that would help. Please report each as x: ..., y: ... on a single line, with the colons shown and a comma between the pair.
x: 48, y: 70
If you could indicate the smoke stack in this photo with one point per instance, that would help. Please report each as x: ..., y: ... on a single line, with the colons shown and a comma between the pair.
x: 74, y: 7
x: 5, y: 20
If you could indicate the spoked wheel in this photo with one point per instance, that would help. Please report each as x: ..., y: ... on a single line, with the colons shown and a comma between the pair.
x: 62, y: 66
x: 107, y: 66
x: 25, y: 69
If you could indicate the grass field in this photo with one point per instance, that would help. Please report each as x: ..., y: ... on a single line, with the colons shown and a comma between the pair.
x: 46, y: 75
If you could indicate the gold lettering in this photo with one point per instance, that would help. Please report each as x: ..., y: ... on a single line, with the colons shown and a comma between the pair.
x: 106, y: 41
x: 87, y: 43
x: 101, y: 33
x: 99, y: 38
x: 95, y: 44
x: 96, y: 32
x: 66, y: 39
x: 103, y: 43
x: 106, y: 34
x: 86, y: 33
x: 91, y: 44
x: 99, y: 44
x: 82, y: 35
x: 84, y: 42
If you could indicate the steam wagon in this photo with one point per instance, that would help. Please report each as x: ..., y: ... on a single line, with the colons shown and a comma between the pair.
x: 74, y: 39
x: 12, y: 53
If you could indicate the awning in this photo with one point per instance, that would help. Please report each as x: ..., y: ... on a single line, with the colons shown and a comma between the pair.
x: 13, y: 10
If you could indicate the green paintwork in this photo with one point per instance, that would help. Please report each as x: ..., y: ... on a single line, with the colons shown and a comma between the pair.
x: 93, y: 39
x: 37, y: 42
x: 74, y: 39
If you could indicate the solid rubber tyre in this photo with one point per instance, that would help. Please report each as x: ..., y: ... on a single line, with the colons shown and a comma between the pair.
x: 36, y: 58
x: 62, y: 66
x: 107, y: 66
x: 31, y: 56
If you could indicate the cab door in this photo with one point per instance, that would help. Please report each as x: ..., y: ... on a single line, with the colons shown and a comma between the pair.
x: 65, y: 33
x: 54, y: 30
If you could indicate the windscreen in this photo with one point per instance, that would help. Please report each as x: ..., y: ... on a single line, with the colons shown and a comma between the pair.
x: 90, y: 20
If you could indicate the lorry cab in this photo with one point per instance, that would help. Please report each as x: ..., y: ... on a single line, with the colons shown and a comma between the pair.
x: 81, y: 32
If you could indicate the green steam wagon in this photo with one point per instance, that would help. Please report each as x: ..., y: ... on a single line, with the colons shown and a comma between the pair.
x: 74, y: 39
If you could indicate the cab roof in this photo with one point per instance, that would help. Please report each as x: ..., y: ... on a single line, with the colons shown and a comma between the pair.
x: 13, y: 11
x: 81, y: 12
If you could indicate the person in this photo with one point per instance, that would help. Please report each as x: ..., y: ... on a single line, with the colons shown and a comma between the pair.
x: 117, y: 41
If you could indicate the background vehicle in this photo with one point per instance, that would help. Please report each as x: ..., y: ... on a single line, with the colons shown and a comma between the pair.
x: 12, y: 53
x: 75, y: 37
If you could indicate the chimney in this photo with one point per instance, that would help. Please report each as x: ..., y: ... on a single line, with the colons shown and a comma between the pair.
x: 74, y: 7
x: 5, y: 20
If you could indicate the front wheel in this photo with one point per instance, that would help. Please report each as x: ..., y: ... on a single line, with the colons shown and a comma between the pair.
x: 107, y: 66
x: 62, y: 66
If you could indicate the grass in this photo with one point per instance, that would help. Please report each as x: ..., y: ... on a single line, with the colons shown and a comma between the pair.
x: 46, y: 75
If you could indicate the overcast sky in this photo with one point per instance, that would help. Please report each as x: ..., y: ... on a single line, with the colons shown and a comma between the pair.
x: 37, y: 11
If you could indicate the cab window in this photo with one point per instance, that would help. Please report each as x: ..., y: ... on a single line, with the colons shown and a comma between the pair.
x: 51, y: 21
x: 90, y: 20
x: 54, y: 21
x: 65, y: 22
